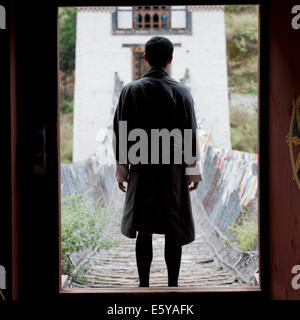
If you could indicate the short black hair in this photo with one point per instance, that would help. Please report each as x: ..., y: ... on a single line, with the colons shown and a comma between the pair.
x: 158, y: 51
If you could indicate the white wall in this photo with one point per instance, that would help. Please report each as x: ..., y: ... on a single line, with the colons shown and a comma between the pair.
x: 99, y: 54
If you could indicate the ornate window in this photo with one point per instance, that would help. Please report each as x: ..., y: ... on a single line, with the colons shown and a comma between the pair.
x: 151, y: 19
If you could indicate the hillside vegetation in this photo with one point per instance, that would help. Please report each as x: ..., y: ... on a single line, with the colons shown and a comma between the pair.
x: 242, y: 48
x: 242, y: 64
x: 67, y: 42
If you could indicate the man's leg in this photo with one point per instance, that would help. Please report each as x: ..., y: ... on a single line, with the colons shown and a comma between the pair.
x: 173, y: 260
x: 143, y: 251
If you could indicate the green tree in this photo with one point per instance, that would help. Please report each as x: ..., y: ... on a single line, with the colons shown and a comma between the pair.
x: 243, y: 126
x: 67, y: 44
x: 67, y: 40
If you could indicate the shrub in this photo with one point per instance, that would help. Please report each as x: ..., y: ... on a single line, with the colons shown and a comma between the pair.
x: 239, y: 9
x: 66, y: 138
x: 242, y: 48
x: 245, y: 233
x: 82, y: 224
x: 243, y: 127
x: 242, y: 35
x: 66, y: 105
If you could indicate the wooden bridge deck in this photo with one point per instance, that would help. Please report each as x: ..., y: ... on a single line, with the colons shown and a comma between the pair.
x: 116, y: 267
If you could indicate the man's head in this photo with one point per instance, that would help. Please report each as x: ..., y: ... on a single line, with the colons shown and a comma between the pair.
x: 159, y: 51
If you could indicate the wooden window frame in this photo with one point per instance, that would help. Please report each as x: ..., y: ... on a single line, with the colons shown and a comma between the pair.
x: 38, y: 195
x: 117, y: 31
x: 151, y: 12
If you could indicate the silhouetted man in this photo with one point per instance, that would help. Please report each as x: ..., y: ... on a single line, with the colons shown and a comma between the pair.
x: 157, y: 194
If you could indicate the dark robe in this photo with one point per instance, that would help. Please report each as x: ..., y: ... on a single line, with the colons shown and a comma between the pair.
x: 157, y: 197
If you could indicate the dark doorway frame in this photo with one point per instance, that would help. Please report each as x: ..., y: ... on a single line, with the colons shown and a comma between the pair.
x: 38, y: 192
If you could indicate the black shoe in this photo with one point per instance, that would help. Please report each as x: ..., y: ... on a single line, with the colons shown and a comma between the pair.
x: 144, y: 285
x: 173, y: 285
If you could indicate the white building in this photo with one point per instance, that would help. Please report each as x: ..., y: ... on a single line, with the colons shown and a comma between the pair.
x: 112, y: 39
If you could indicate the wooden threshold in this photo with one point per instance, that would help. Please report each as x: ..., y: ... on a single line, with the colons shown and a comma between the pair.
x: 161, y: 290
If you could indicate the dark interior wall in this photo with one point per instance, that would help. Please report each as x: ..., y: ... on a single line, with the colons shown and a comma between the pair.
x: 35, y: 64
x: 5, y: 217
x: 284, y: 85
